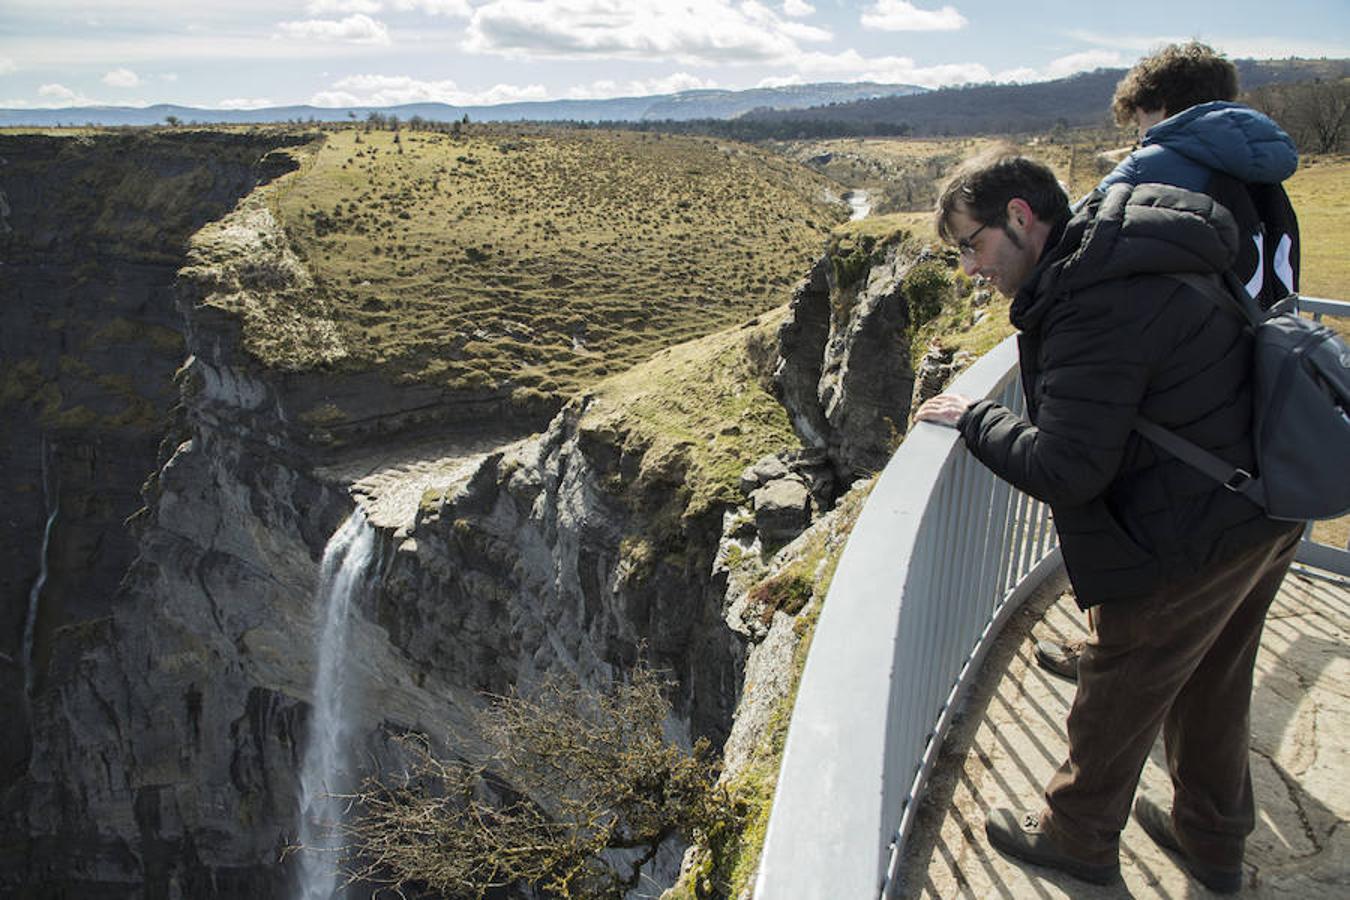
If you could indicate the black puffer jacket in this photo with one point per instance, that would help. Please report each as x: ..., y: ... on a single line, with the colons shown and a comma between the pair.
x: 1106, y: 336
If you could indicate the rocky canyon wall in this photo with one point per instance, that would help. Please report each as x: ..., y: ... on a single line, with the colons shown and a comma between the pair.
x: 160, y: 714
x: 92, y: 233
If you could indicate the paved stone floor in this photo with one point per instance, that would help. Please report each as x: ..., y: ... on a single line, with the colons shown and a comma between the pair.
x: 1012, y: 738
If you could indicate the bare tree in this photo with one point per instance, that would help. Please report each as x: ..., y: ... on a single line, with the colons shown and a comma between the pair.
x: 571, y: 777
x: 1315, y: 113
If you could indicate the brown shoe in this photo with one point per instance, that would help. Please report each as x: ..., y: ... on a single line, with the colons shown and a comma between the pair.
x: 1158, y: 825
x: 1061, y: 659
x: 1019, y: 834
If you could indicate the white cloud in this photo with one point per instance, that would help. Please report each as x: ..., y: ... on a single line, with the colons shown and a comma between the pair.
x: 60, y: 95
x: 1234, y: 47
x: 898, y: 15
x: 7, y: 65
x: 122, y: 78
x: 394, y: 90
x: 1277, y: 48
x: 505, y: 93
x: 692, y: 32
x: 357, y: 29
x: 797, y: 8
x: 339, y: 7
x: 169, y: 76
x: 1065, y: 66
x: 850, y: 65
x: 335, y: 98
x: 671, y: 84
x: 774, y: 81
x: 803, y: 32
x: 391, y: 90
x: 458, y: 8
x: 1122, y: 41
x: 245, y: 103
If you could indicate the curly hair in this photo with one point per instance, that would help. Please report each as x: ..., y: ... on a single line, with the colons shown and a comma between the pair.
x: 1174, y: 78
x: 982, y: 186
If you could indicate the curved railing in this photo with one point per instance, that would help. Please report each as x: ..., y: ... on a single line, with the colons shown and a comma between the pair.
x: 942, y: 553
x: 941, y: 556
x: 1310, y: 552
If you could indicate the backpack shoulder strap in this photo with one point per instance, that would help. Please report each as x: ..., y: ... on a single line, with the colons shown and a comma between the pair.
x: 1231, y: 477
x: 1225, y: 292
x: 1228, y: 294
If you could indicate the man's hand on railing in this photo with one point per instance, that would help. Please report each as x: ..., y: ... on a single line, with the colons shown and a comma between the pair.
x: 944, y: 409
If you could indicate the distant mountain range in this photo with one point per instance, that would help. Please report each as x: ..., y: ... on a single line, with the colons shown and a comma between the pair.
x: 682, y: 106
x: 807, y: 110
x: 1082, y: 99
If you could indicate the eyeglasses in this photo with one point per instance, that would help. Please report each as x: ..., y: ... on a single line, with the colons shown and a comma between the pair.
x: 967, y: 243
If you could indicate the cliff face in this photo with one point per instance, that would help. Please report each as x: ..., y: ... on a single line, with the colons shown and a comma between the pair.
x: 91, y: 237
x: 167, y: 696
x: 846, y: 372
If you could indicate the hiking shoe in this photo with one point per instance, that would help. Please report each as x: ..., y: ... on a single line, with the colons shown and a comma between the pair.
x: 1158, y: 824
x: 1019, y: 834
x: 1061, y: 659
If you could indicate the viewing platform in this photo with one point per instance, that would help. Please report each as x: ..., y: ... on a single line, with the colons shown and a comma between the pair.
x: 921, y: 708
x: 1012, y: 738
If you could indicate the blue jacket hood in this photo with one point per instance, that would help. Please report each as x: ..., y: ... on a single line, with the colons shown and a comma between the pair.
x: 1184, y: 149
x: 1230, y: 138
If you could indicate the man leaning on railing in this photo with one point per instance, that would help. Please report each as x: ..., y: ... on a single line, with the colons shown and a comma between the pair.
x: 1179, y: 570
x: 1193, y: 135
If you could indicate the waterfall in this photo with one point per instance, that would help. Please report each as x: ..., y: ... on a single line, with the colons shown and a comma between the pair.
x: 346, y: 561
x: 860, y: 203
x: 53, y: 500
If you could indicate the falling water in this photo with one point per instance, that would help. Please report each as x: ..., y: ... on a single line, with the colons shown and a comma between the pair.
x: 35, y: 593
x: 860, y: 203
x: 346, y: 560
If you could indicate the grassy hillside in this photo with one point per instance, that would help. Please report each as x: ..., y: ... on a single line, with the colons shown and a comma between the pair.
x: 711, y: 399
x: 1320, y: 192
x: 543, y: 258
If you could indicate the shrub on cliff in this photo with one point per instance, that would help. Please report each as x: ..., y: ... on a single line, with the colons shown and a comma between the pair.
x: 570, y: 776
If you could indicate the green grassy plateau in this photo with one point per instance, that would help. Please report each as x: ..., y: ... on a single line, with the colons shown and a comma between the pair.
x: 543, y: 259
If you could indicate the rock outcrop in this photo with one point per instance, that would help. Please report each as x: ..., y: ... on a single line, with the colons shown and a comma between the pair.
x: 846, y: 373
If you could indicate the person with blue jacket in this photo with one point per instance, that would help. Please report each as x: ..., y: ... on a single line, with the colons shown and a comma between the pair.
x: 1193, y: 135
x: 1186, y: 149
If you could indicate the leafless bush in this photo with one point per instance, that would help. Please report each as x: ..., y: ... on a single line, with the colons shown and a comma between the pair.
x: 1315, y: 113
x: 570, y: 775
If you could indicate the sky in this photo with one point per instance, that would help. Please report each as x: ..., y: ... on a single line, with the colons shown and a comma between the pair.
x: 255, y: 53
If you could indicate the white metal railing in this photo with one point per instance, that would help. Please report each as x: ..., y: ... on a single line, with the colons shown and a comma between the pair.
x: 942, y: 553
x: 1311, y: 553
x: 941, y: 556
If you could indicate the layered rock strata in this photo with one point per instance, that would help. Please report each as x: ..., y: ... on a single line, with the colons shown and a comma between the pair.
x: 846, y: 373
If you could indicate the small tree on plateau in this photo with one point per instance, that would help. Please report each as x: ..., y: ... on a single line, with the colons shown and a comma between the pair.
x: 575, y: 794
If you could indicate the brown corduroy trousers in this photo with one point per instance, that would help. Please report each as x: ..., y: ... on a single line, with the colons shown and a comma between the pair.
x: 1180, y: 659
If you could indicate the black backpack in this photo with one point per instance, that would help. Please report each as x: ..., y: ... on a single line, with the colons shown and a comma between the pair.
x: 1268, y: 254
x: 1301, y: 394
